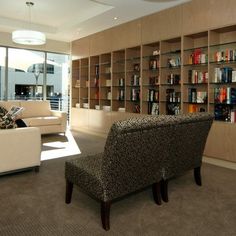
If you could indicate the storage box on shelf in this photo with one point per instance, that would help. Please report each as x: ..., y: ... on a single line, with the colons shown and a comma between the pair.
x: 170, y: 79
x: 150, y: 78
x: 118, y: 81
x: 133, y: 80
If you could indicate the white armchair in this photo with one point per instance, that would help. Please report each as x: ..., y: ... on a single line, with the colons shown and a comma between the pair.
x: 20, y: 149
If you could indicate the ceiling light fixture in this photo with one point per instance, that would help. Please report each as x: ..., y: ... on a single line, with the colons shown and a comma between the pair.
x: 28, y: 37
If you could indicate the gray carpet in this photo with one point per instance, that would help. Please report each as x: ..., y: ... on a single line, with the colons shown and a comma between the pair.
x: 33, y: 204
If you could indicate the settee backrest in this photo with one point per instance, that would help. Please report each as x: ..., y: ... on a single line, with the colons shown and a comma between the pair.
x: 31, y: 108
x: 35, y: 108
x: 137, y: 150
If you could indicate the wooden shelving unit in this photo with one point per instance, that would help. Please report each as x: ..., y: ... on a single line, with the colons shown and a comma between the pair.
x: 94, y: 83
x: 75, y: 84
x: 195, y: 72
x: 118, y: 81
x: 84, y: 83
x: 178, y: 75
x: 133, y: 79
x: 170, y: 90
x: 223, y: 72
x: 150, y: 78
x: 105, y: 81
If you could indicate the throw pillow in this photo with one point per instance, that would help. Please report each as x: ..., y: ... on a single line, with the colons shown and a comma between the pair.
x: 6, y: 120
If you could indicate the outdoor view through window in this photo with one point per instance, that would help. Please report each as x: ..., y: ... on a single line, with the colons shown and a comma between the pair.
x: 34, y: 75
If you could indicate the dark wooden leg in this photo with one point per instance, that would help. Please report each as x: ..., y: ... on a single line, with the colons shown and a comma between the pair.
x: 156, y: 191
x: 197, y: 176
x: 164, y: 190
x: 69, y: 190
x: 36, y: 169
x: 105, y: 214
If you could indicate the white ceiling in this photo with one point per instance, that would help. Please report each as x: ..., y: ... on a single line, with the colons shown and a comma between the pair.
x: 67, y: 20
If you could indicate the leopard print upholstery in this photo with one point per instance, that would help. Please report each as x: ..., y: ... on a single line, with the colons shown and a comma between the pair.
x: 6, y: 121
x: 139, y: 152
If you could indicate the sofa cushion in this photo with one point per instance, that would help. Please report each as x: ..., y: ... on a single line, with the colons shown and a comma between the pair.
x: 42, y: 121
x: 35, y: 109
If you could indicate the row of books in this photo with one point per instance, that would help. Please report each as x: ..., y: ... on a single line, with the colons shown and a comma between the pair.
x: 121, y: 94
x: 197, y: 77
x: 224, y: 75
x: 173, y: 109
x: 225, y: 55
x: 153, y: 108
x: 198, y: 57
x: 225, y: 95
x: 153, y: 80
x: 195, y: 108
x: 135, y: 94
x: 173, y: 96
x: 135, y: 80
x: 173, y: 78
x: 174, y: 62
x: 195, y: 96
x: 152, y: 95
x: 154, y: 64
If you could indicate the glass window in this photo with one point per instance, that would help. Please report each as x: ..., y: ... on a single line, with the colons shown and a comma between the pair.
x: 25, y: 74
x: 2, y: 72
x: 58, y: 81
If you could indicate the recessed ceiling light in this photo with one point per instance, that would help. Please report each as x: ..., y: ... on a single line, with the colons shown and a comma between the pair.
x: 115, y: 18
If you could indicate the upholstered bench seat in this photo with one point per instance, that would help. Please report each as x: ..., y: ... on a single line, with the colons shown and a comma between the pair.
x: 140, y: 152
x: 86, y: 171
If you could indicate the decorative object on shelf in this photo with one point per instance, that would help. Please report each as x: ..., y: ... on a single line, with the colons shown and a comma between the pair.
x: 28, y: 37
x: 156, y: 53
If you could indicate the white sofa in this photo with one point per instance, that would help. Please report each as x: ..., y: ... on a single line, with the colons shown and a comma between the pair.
x: 39, y: 114
x: 20, y: 149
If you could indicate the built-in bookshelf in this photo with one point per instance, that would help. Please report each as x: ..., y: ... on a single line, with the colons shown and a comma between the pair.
x: 133, y: 79
x: 105, y: 81
x: 150, y: 78
x: 118, y: 81
x: 192, y: 73
x: 195, y: 72
x: 94, y: 89
x: 223, y: 73
x: 170, y: 79
x: 75, y: 83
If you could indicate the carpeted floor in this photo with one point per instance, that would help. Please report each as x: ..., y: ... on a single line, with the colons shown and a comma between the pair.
x: 33, y: 204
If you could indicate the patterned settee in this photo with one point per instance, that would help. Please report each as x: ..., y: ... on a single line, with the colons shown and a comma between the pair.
x: 140, y: 152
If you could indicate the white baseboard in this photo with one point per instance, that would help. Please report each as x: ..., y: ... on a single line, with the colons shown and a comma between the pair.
x: 221, y: 163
